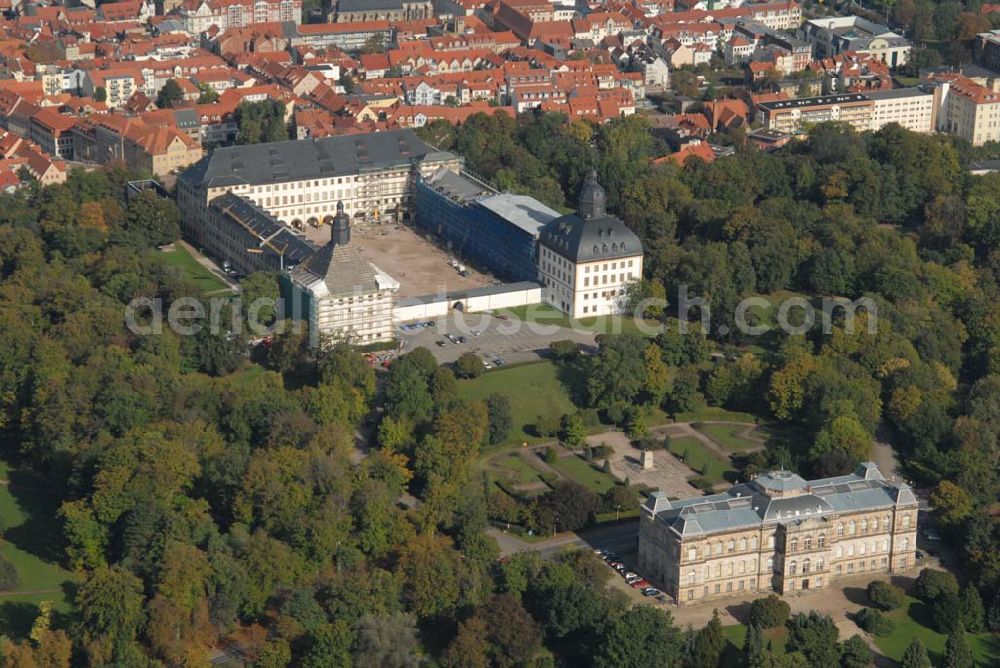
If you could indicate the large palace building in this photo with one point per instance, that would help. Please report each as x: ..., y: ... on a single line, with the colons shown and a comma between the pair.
x: 778, y: 533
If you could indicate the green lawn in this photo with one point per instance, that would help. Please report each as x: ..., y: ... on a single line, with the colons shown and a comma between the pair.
x: 534, y: 389
x: 202, y: 277
x: 30, y: 542
x: 729, y: 436
x: 715, y: 414
x: 513, y: 470
x: 736, y: 633
x: 699, y: 459
x: 585, y: 474
x: 913, y: 619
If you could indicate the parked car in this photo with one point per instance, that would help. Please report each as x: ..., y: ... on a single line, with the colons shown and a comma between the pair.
x: 650, y: 591
x: 440, y: 343
x: 461, y: 339
x: 630, y: 576
x: 499, y: 361
x: 932, y: 534
x: 639, y: 584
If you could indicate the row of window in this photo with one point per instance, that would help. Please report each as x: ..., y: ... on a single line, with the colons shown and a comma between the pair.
x: 739, y: 585
x: 604, y: 279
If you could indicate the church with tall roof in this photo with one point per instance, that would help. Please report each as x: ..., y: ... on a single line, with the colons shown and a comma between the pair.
x: 587, y: 260
x: 778, y: 533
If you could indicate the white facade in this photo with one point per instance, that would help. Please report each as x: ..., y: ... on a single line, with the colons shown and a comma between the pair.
x: 587, y: 289
x: 911, y: 108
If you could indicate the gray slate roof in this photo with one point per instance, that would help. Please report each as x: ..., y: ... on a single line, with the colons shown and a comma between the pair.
x: 271, y: 233
x: 302, y: 159
x: 749, y: 504
x: 581, y: 240
x: 342, y: 268
x: 368, y: 5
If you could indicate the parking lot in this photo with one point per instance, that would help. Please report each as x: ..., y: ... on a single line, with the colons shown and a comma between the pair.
x: 488, y: 336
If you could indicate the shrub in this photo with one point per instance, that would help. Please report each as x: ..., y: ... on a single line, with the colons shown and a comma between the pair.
x: 602, y: 451
x: 547, y: 425
x: 564, y: 350
x: 591, y: 417
x: 469, y: 365
x: 551, y: 456
x: 932, y: 583
x: 702, y: 483
x: 874, y: 622
x: 885, y: 596
x: 9, y: 579
x: 770, y: 612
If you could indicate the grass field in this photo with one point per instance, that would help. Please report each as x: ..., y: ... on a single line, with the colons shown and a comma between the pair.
x: 512, y: 468
x: 534, y: 389
x: 28, y: 517
x: 585, y: 474
x: 729, y: 436
x: 715, y: 414
x: 202, y: 277
x: 736, y: 633
x: 913, y: 619
x: 699, y: 459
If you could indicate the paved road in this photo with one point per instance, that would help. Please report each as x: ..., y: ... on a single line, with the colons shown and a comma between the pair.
x: 620, y: 537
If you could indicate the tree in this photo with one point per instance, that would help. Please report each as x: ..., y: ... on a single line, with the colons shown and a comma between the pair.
x: 512, y: 634
x: 564, y: 350
x: 501, y: 417
x: 708, y: 644
x: 111, y: 612
x: 329, y: 645
x: 469, y: 365
x: 855, y: 653
x: 259, y: 295
x: 947, y: 612
x: 874, y: 622
x: 207, y: 94
x: 570, y: 505
x: 260, y: 122
x: 815, y: 636
x: 753, y: 647
x: 642, y: 636
x: 432, y: 572
x: 169, y: 95
x: 972, y: 609
x: 150, y: 221
x: 957, y: 653
x: 389, y: 641
x: 573, y: 430
x: 951, y: 503
x: 933, y: 583
x: 915, y: 655
x: 469, y: 647
x: 770, y: 612
x: 885, y: 596
x: 100, y: 94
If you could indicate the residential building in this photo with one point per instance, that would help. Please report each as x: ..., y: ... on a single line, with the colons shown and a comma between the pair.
x: 834, y: 35
x: 301, y: 181
x: 588, y: 260
x: 198, y: 16
x: 778, y: 533
x: 912, y: 108
x: 968, y: 109
x: 339, y: 294
x: 856, y: 109
x: 53, y: 132
x: 158, y: 148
